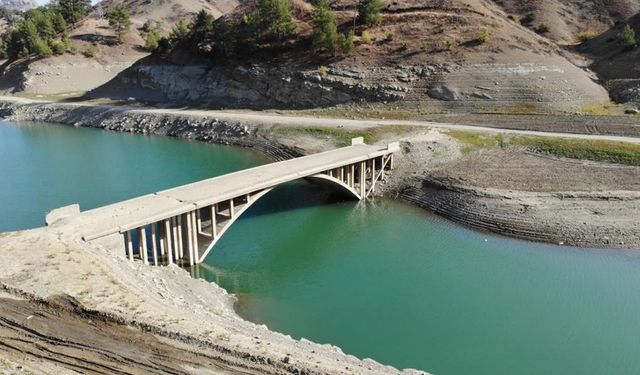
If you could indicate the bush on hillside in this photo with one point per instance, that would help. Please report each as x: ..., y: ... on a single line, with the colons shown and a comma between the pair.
x: 627, y: 37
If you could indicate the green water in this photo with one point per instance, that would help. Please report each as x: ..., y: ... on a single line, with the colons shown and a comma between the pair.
x: 381, y: 280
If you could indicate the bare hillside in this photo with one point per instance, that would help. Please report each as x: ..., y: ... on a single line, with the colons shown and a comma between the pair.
x: 418, y: 56
x: 566, y: 19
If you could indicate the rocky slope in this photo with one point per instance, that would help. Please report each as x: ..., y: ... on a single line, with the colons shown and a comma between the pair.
x: 566, y: 19
x: 418, y: 56
x: 615, y: 64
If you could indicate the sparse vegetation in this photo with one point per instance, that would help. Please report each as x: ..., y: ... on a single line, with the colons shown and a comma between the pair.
x: 605, y: 151
x: 627, y: 37
x: 365, y: 38
x: 543, y: 28
x: 450, y: 44
x: 483, y: 36
x: 342, y: 137
x: 91, y: 51
x: 323, y: 70
x: 587, y: 35
x: 424, y: 46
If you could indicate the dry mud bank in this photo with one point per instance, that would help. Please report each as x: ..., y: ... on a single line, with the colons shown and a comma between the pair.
x: 86, y: 296
x: 530, y: 196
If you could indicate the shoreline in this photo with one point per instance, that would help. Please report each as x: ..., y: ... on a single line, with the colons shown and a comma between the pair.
x: 135, y: 295
x: 435, y: 195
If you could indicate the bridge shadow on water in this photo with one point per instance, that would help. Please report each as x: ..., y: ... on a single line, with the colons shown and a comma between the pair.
x: 293, y: 196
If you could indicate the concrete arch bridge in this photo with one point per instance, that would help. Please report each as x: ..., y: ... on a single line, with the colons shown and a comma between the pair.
x: 183, y: 224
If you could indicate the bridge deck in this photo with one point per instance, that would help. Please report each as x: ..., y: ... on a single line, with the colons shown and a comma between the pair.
x: 139, y: 211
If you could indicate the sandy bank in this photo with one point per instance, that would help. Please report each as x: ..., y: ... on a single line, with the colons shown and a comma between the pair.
x: 165, y: 303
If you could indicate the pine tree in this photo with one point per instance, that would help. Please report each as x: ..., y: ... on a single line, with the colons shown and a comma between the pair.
x: 325, y: 31
x: 369, y: 12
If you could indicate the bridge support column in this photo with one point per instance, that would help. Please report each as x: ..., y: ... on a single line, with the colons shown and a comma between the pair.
x: 174, y: 239
x: 142, y: 239
x: 129, y: 244
x: 167, y: 238
x: 189, y: 238
x: 161, y: 241
x: 373, y: 175
x: 180, y: 241
x: 196, y: 249
x: 214, y: 228
x: 363, y: 179
x: 154, y: 243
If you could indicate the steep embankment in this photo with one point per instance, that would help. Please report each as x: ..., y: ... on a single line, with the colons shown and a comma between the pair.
x: 565, y: 20
x: 617, y: 64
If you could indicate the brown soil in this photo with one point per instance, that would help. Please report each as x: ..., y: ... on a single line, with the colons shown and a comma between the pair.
x: 60, y: 335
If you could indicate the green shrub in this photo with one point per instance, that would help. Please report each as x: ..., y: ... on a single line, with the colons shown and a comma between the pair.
x: 346, y: 42
x: 627, y: 37
x: 451, y: 44
x: 587, y: 35
x: 424, y: 46
x: 483, y: 37
x: 58, y: 47
x: 91, y: 51
x: 365, y: 38
x: 41, y: 48
x: 543, y: 28
x: 151, y: 41
x: 323, y: 70
x: 389, y: 37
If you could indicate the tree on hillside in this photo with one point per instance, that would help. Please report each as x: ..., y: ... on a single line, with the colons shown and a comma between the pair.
x: 73, y: 10
x: 180, y: 31
x: 369, y: 12
x: 201, y: 26
x: 271, y: 20
x: 120, y: 20
x: 325, y: 31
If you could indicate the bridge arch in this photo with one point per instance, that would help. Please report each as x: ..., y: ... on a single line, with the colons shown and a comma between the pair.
x: 238, y: 210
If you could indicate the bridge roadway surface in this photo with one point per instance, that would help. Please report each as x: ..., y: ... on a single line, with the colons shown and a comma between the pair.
x: 136, y: 212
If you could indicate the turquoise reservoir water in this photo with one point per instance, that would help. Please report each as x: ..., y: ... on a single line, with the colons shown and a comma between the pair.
x: 381, y: 279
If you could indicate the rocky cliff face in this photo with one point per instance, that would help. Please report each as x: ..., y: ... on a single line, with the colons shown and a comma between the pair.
x: 254, y: 86
x: 18, y: 4
x: 552, y: 86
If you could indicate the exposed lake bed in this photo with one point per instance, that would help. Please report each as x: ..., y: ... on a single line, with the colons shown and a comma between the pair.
x: 449, y: 279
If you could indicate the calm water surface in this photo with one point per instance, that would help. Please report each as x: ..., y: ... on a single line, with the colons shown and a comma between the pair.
x: 381, y: 280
